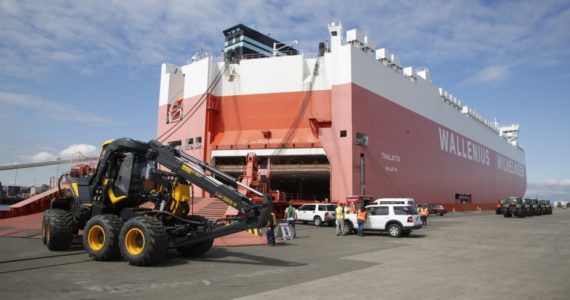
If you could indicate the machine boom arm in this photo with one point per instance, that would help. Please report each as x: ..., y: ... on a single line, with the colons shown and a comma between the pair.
x: 186, y: 166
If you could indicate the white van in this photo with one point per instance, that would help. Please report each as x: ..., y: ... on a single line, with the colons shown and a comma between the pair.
x: 403, y: 201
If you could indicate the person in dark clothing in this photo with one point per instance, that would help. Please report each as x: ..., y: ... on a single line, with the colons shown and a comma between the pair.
x: 271, y: 230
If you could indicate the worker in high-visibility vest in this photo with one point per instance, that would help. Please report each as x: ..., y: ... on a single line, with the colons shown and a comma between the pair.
x: 424, y: 213
x: 340, y: 212
x: 362, y: 214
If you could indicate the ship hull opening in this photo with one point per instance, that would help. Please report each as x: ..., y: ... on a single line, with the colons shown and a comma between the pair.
x: 296, y: 177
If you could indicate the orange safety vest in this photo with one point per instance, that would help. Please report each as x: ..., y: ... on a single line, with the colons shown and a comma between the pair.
x: 361, y: 215
x: 424, y: 212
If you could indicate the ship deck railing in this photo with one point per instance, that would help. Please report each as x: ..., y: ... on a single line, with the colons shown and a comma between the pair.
x: 259, y: 55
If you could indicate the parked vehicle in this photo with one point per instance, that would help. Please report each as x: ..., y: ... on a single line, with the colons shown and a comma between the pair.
x: 436, y: 209
x: 106, y: 205
x: 517, y: 207
x: 402, y: 201
x: 547, y: 208
x: 319, y: 213
x: 396, y: 219
x: 534, y: 207
x: 499, y: 207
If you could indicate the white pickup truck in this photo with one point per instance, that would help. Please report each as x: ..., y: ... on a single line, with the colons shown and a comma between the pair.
x: 396, y: 219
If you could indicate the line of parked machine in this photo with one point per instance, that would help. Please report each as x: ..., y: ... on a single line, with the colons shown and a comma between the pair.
x: 523, y: 207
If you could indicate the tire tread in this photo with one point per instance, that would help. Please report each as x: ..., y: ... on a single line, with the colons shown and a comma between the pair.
x: 61, y: 222
x: 112, y: 225
x: 156, y: 246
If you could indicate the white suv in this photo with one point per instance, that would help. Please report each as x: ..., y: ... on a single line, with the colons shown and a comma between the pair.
x: 319, y: 213
x: 396, y: 219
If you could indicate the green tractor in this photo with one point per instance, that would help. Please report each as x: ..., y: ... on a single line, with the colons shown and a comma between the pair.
x: 546, y: 207
x: 529, y: 209
x: 514, y: 207
x: 535, y: 207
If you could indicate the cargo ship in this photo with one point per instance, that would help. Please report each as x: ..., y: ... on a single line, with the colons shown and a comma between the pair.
x: 347, y: 120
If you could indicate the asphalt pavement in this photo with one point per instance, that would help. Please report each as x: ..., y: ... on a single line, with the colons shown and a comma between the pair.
x: 458, y: 256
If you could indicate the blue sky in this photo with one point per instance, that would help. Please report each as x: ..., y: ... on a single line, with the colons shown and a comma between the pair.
x: 76, y: 73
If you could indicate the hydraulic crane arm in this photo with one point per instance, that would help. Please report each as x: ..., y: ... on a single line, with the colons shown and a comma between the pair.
x: 218, y: 184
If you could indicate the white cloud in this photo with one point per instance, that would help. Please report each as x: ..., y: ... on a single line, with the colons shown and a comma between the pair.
x: 492, y: 74
x: 561, y: 182
x: 45, y: 108
x: 68, y: 153
x: 42, y: 156
x: 552, y: 189
x: 89, y: 35
x: 85, y: 150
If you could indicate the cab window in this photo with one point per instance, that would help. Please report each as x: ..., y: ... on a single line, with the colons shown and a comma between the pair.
x: 405, y: 210
x: 308, y: 207
x: 379, y: 211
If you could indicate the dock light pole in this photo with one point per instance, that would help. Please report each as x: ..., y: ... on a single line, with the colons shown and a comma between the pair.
x: 362, y: 181
x: 57, y: 170
x: 362, y: 140
x: 286, y: 44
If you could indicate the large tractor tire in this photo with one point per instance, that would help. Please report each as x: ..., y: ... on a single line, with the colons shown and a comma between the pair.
x: 101, y: 237
x: 197, y: 249
x: 143, y: 241
x: 57, y: 229
x: 530, y: 212
x: 506, y: 213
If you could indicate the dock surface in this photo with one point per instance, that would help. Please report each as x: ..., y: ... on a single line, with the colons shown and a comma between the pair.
x: 458, y: 256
